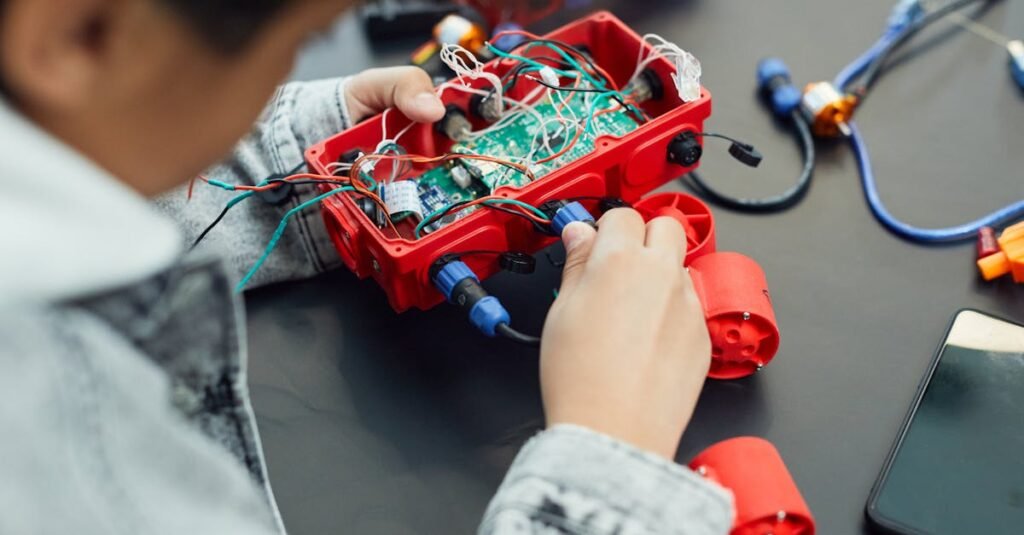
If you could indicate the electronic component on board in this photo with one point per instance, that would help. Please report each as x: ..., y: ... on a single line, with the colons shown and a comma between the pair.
x: 454, y: 125
x: 461, y: 176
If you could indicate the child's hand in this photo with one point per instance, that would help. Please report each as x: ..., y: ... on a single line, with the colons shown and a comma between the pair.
x: 625, y: 349
x: 407, y: 88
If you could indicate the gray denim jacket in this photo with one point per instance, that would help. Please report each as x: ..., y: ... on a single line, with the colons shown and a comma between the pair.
x: 123, y: 398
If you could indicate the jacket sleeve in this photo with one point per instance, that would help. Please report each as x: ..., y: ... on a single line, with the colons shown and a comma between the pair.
x: 301, y: 114
x: 569, y: 479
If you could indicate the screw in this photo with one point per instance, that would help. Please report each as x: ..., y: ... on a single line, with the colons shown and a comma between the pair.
x: 759, y: 367
x: 746, y: 316
x: 702, y: 470
x: 376, y: 266
x: 780, y: 516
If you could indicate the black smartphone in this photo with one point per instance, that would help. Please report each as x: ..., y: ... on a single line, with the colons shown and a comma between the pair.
x: 957, y: 466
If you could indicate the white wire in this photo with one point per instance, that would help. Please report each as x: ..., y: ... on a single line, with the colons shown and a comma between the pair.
x: 456, y: 57
x: 687, y: 66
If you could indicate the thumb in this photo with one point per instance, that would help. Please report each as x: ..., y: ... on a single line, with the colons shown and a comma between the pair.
x: 407, y: 88
x: 579, y: 241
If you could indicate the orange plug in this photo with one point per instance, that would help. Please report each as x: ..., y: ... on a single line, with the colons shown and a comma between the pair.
x: 1009, y: 259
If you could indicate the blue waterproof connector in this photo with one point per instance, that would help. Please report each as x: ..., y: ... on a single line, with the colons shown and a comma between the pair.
x: 461, y: 287
x: 569, y: 213
x: 487, y: 314
x: 774, y: 79
x: 450, y: 275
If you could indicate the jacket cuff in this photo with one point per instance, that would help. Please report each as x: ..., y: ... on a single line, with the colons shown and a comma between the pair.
x: 318, y: 110
x: 659, y: 494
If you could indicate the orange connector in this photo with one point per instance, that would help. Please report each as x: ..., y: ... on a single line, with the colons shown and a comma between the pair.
x: 1009, y: 259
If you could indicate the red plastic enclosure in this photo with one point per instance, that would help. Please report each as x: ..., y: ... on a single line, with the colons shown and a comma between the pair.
x: 767, y: 499
x: 626, y: 167
x: 732, y: 289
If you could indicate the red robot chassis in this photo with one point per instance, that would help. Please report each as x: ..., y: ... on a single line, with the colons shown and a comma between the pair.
x: 731, y: 287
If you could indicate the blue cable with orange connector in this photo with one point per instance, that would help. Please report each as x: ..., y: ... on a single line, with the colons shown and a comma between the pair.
x: 967, y: 231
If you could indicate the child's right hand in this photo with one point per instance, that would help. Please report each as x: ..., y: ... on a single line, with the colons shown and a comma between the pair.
x: 625, y: 348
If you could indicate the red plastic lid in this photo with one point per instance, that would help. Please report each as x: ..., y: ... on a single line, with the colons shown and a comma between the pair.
x: 742, y: 343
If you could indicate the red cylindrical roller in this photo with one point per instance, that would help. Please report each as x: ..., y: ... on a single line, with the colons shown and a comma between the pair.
x: 739, y: 314
x: 688, y: 210
x: 767, y: 499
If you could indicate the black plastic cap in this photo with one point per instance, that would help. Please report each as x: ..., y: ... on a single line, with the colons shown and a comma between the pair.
x: 746, y: 154
x: 516, y: 262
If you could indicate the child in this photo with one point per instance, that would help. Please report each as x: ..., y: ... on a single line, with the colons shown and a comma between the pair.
x: 123, y: 404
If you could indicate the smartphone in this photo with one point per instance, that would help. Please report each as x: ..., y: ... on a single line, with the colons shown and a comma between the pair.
x: 957, y: 466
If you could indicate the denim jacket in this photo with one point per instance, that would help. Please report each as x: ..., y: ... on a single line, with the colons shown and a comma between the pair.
x: 123, y: 398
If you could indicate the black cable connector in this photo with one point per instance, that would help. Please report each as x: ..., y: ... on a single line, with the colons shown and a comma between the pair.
x: 508, y: 332
x: 773, y: 203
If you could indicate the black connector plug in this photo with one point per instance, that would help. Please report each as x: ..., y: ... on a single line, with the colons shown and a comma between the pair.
x: 685, y: 149
x: 746, y: 154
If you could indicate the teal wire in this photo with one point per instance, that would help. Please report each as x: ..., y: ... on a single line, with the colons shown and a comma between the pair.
x: 426, y: 220
x: 240, y: 198
x: 597, y: 83
x: 529, y: 61
x: 280, y: 232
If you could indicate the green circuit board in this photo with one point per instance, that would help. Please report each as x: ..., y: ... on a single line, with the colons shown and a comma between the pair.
x: 516, y: 139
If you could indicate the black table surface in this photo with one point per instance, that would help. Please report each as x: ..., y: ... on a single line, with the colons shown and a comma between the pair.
x: 375, y: 422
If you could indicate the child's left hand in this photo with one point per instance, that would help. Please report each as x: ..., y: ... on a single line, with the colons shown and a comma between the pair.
x: 407, y: 88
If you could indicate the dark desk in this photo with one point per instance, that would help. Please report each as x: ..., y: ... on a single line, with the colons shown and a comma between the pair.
x: 380, y: 423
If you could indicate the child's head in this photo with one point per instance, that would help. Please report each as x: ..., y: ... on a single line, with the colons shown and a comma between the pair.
x: 153, y: 90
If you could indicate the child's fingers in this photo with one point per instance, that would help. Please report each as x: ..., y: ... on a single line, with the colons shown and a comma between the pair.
x: 407, y: 88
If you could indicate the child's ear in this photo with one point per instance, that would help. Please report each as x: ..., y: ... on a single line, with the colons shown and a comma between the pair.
x: 54, y: 53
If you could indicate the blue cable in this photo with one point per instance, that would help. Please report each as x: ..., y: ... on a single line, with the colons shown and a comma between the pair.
x: 858, y: 65
x: 962, y: 232
x: 280, y: 232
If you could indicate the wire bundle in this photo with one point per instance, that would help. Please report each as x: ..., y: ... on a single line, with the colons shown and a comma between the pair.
x: 867, y: 68
x: 561, y: 72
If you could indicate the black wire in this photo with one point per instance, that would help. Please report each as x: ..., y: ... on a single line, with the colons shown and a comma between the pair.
x: 536, y: 226
x: 781, y: 201
x: 874, y: 69
x: 211, y: 226
x: 447, y: 211
x: 516, y: 336
x: 223, y: 213
x: 725, y: 137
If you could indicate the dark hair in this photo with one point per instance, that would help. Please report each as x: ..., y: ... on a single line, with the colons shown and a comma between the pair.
x: 227, y: 25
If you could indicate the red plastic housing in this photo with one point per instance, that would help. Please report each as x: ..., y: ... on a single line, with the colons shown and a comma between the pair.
x: 767, y: 499
x: 732, y: 288
x: 626, y: 167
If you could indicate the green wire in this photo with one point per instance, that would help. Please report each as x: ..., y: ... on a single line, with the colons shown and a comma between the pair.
x: 597, y: 83
x: 529, y: 61
x: 429, y: 218
x: 280, y: 232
